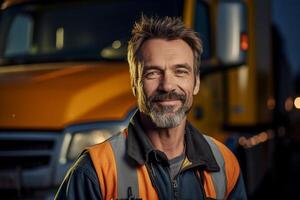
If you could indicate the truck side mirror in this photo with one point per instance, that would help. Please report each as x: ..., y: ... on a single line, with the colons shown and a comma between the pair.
x: 231, y: 35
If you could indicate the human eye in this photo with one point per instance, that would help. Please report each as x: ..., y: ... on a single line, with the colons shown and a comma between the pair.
x: 181, y: 72
x: 151, y: 74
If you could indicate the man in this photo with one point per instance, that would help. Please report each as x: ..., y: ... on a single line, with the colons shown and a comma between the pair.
x: 160, y: 155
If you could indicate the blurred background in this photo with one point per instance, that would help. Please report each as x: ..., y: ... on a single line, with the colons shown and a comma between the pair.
x: 64, y: 85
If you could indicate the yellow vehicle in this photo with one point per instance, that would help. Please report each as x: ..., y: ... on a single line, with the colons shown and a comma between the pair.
x: 64, y: 81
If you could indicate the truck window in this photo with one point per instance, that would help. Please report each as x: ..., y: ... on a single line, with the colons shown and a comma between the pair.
x: 92, y: 30
x: 20, y: 36
x: 231, y: 24
x: 202, y: 26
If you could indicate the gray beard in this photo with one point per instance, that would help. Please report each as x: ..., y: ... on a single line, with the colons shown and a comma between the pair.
x: 165, y: 117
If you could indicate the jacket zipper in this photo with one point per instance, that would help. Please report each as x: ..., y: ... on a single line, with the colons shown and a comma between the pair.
x: 174, y: 183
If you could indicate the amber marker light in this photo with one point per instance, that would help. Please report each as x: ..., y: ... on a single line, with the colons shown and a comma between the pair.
x: 297, y: 102
x: 288, y: 104
x: 244, y: 41
x: 271, y: 103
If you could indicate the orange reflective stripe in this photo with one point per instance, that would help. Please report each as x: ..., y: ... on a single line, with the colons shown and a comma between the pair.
x: 231, y: 166
x: 218, y: 178
x: 209, y: 186
x: 104, y: 161
x: 105, y: 168
x: 146, y: 189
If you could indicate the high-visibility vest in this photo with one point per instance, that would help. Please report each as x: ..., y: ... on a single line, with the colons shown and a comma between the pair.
x: 120, y: 179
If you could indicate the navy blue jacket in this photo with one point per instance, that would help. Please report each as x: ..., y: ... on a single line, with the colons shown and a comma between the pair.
x: 82, y: 182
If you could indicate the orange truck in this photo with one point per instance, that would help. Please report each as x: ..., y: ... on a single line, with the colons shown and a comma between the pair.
x: 64, y: 81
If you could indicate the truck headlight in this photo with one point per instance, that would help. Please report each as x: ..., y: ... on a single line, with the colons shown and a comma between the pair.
x: 78, y: 137
x: 81, y: 140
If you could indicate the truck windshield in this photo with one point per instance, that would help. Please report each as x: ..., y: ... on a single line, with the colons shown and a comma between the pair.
x: 84, y: 30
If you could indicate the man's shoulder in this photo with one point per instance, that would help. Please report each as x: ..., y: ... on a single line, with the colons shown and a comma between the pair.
x: 231, y: 165
x: 81, y: 181
x: 84, y: 167
x: 225, y: 151
x: 83, y: 162
x: 211, y: 142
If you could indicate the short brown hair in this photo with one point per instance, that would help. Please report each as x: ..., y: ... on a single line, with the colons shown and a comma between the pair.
x: 169, y: 28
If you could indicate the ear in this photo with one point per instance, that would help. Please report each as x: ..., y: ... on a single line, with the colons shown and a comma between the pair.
x: 197, y: 86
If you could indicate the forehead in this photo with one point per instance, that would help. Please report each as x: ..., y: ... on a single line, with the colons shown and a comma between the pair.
x: 166, y: 52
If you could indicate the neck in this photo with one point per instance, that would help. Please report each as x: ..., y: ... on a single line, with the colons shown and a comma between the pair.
x: 168, y: 140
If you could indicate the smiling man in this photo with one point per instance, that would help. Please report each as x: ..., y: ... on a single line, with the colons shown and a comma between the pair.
x: 160, y: 155
x: 165, y: 91
x: 168, y: 81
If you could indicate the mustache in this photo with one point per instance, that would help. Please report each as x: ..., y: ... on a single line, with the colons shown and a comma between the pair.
x: 168, y: 96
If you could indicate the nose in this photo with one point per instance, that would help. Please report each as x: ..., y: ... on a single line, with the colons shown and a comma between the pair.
x: 167, y: 82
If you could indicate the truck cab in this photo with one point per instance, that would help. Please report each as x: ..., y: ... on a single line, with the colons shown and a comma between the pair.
x: 65, y: 85
x: 64, y: 81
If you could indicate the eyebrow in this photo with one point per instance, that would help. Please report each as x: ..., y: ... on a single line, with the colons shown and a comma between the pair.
x: 184, y: 65
x: 147, y: 67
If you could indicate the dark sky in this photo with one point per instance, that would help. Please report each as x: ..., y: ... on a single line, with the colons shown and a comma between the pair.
x: 286, y: 16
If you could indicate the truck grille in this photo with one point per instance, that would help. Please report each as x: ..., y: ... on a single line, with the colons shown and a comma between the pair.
x: 23, y: 162
x: 13, y: 145
x: 26, y: 150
